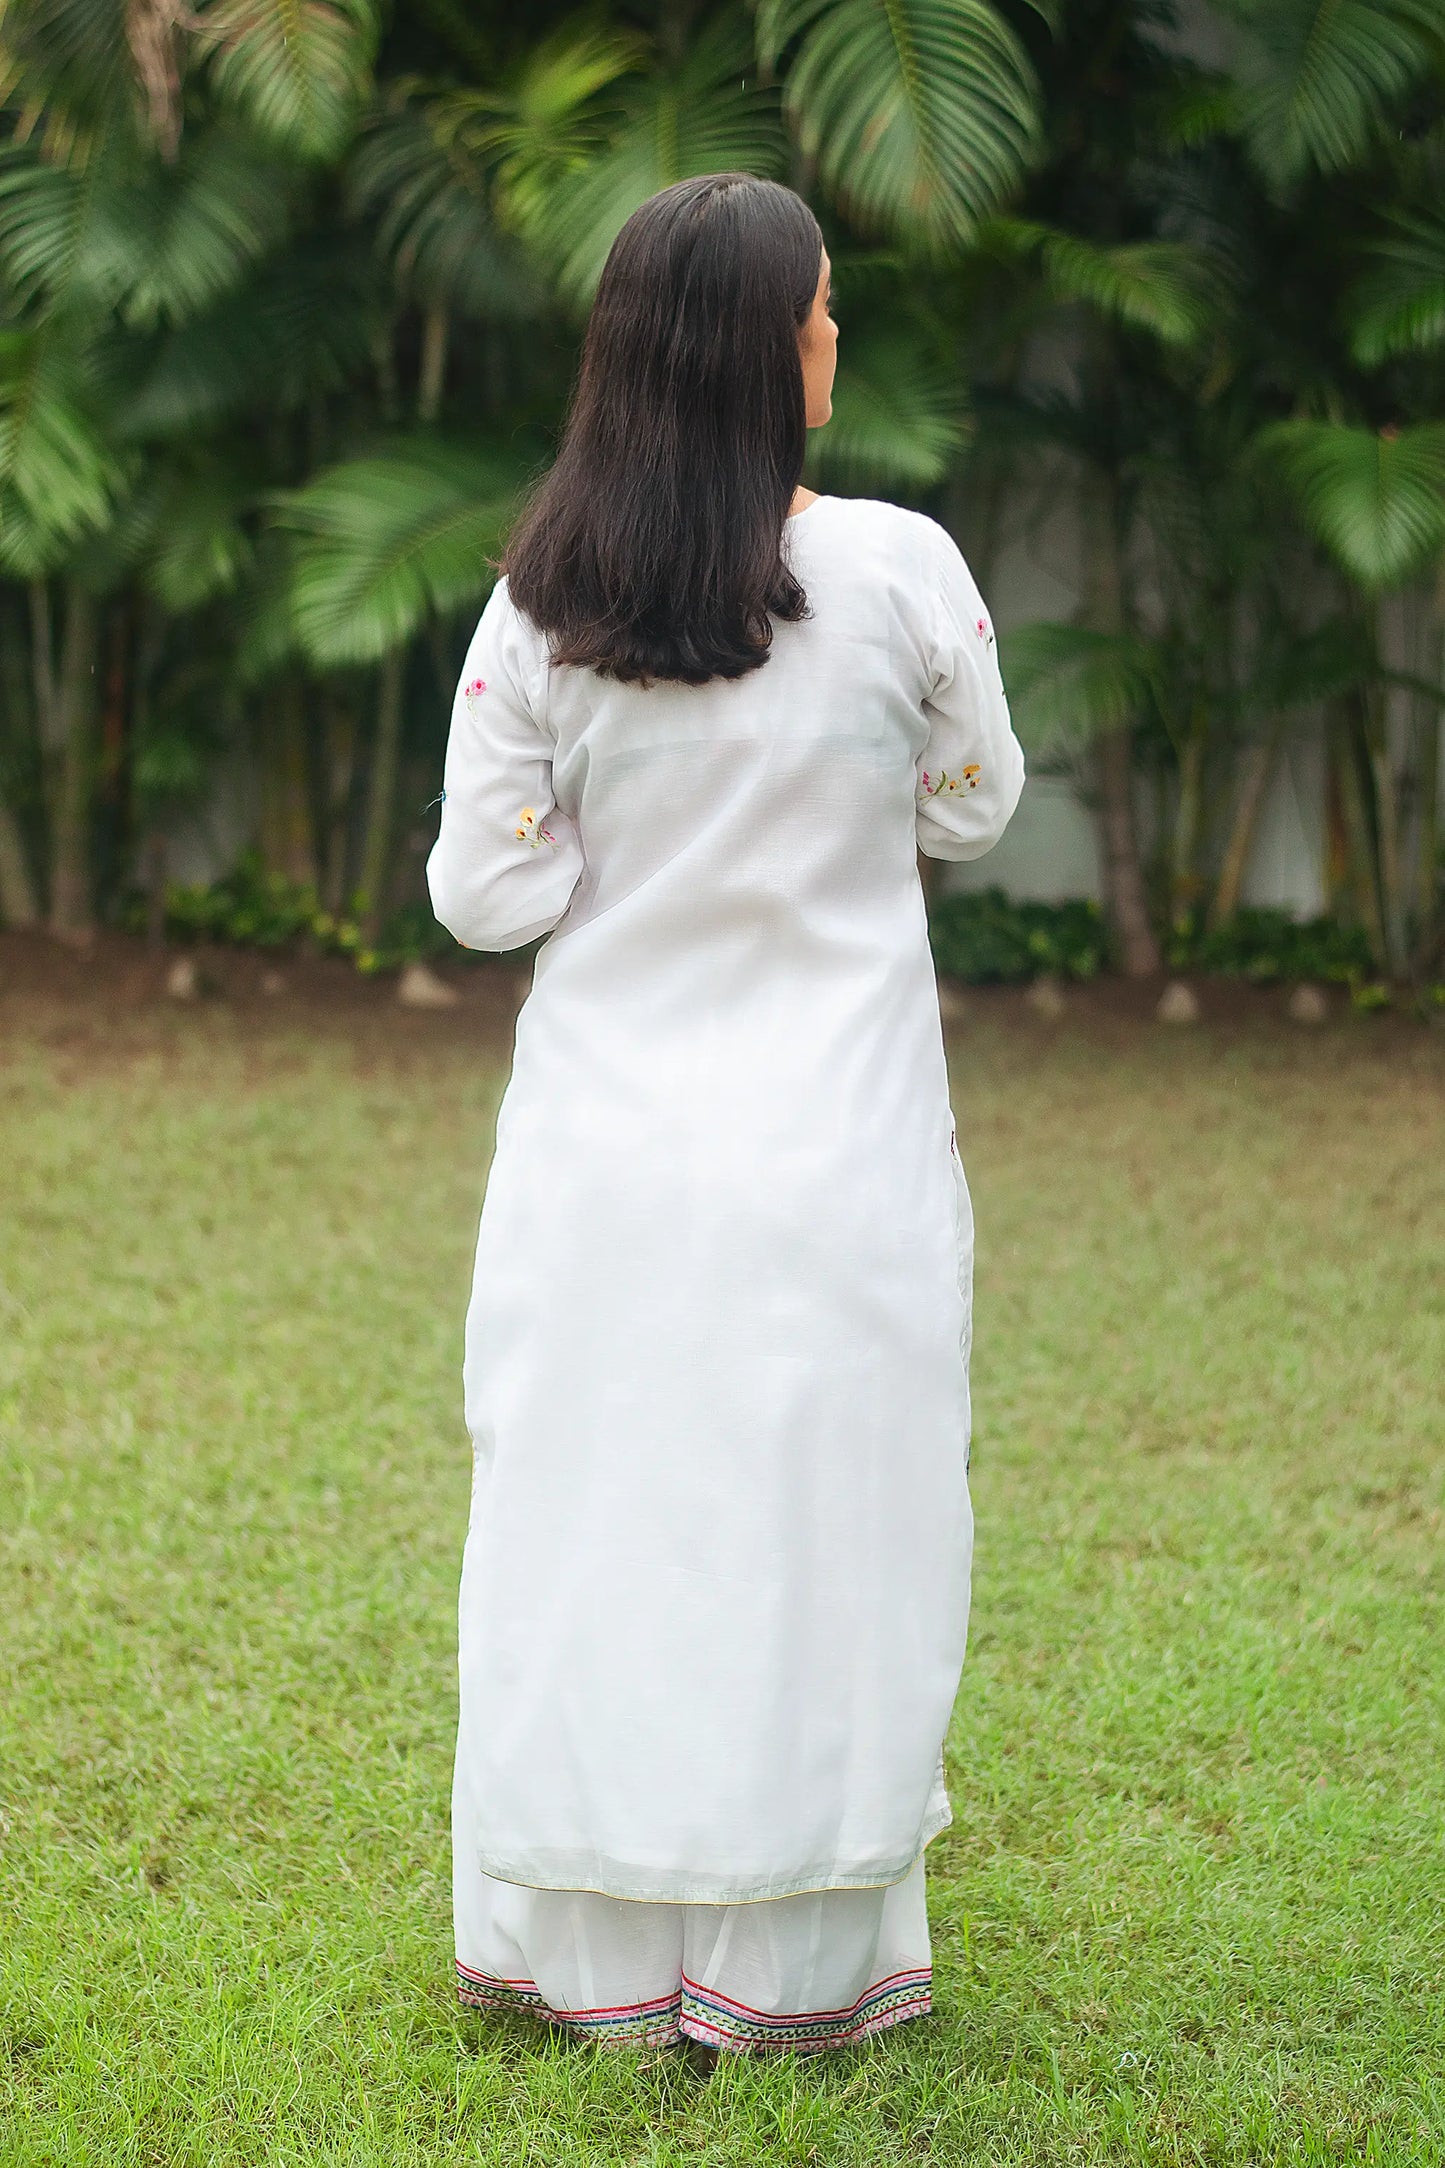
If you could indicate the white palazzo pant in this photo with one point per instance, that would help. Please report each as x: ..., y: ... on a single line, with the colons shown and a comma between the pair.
x: 814, y: 1971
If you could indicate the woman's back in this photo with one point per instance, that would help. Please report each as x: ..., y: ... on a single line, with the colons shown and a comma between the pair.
x: 774, y: 811
x: 761, y: 823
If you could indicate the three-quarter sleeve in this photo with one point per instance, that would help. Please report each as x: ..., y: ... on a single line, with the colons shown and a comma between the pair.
x: 971, y: 772
x: 506, y: 860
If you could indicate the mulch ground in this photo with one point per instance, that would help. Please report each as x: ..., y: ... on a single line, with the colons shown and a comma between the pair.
x: 109, y: 1000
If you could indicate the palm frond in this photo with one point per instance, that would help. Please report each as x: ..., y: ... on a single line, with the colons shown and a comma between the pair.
x: 170, y: 763
x: 156, y: 242
x: 189, y: 233
x: 549, y: 118
x: 703, y: 117
x: 383, y: 542
x: 421, y: 171
x: 301, y: 327
x: 66, y: 70
x: 899, y: 414
x: 1316, y: 81
x: 297, y: 70
x: 1067, y: 683
x: 455, y: 176
x: 268, y: 641
x: 1296, y: 669
x: 922, y: 114
x: 1375, y: 500
x: 185, y: 531
x: 58, y: 478
x: 1168, y: 289
x: 1399, y: 306
x: 56, y: 225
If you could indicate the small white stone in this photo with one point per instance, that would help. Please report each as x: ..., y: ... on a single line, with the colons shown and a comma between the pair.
x: 1046, y: 998
x: 1308, y: 1005
x: 952, y: 1006
x: 1178, y: 1004
x: 420, y: 988
x: 183, y: 980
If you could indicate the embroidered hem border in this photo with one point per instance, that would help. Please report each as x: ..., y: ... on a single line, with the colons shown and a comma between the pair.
x: 702, y: 2014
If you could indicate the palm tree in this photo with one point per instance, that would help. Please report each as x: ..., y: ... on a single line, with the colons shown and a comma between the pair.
x: 1205, y: 627
x: 289, y: 307
x: 117, y: 236
x: 1338, y: 112
x: 1110, y: 274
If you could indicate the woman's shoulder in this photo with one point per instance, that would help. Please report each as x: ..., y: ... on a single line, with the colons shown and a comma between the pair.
x: 896, y: 528
x: 511, y: 622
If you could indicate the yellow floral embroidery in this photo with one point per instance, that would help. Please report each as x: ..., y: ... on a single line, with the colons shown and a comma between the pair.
x: 532, y: 831
x: 943, y: 781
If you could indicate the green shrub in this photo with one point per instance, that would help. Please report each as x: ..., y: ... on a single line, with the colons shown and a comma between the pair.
x: 982, y: 937
x: 409, y: 936
x: 1270, y: 945
x: 987, y: 939
x: 251, y: 908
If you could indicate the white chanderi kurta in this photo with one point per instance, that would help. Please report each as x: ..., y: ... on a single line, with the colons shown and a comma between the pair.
x: 716, y: 1582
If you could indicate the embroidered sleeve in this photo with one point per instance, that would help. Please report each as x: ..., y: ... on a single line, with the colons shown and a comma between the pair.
x: 971, y: 772
x: 507, y: 858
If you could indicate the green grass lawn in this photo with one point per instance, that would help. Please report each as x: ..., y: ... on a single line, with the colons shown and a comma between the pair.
x: 1192, y: 1905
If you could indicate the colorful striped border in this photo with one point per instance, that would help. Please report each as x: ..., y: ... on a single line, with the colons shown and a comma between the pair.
x: 706, y: 2015
x: 637, y: 2024
x: 720, y: 2022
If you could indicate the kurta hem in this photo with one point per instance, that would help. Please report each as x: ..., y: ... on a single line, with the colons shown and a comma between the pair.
x: 614, y: 1878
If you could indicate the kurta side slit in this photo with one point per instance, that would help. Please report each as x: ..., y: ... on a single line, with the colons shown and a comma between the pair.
x: 716, y: 1581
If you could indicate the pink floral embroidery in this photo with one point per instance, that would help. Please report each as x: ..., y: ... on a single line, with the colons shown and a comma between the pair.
x: 532, y: 831
x: 943, y: 781
x: 984, y: 631
x: 477, y: 687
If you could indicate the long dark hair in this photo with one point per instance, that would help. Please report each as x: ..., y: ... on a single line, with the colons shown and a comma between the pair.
x: 654, y: 547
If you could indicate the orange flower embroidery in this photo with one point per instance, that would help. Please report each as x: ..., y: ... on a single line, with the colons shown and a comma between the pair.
x: 943, y: 781
x: 530, y: 830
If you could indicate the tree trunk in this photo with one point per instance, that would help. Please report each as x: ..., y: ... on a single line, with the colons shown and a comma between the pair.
x: 18, y: 902
x: 1139, y: 953
x: 1427, y: 869
x: 340, y: 752
x: 381, y: 799
x: 674, y: 28
x: 1363, y: 861
x: 1389, y: 861
x: 435, y: 336
x: 384, y: 357
x: 1427, y: 872
x: 42, y: 663
x: 1185, y: 881
x: 1125, y: 898
x: 287, y: 843
x: 74, y: 713
x: 1255, y: 769
x: 154, y: 861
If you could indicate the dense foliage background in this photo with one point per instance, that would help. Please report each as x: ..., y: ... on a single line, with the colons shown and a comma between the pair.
x: 290, y: 293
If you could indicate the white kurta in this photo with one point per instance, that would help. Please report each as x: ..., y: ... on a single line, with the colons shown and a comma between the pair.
x: 716, y: 1582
